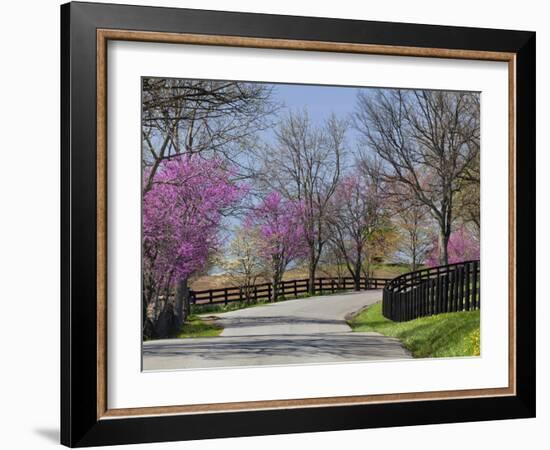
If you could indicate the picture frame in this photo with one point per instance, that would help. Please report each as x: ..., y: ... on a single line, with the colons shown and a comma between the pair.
x: 86, y: 418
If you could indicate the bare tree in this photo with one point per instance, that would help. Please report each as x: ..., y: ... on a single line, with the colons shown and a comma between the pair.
x: 333, y: 262
x: 200, y: 117
x: 245, y: 265
x: 413, y: 222
x: 468, y: 197
x: 357, y: 213
x: 427, y: 141
x: 305, y: 165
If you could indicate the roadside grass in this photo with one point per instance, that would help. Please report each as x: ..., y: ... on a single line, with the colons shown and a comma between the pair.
x: 196, y: 327
x: 439, y: 336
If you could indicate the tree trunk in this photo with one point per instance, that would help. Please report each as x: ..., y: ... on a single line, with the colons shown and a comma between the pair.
x: 356, y: 282
x: 413, y: 240
x: 167, y: 324
x: 274, y: 289
x: 357, y: 275
x: 443, y: 242
x: 357, y: 265
x: 276, y: 280
x: 144, y: 310
x: 311, y: 271
x: 148, y: 317
x: 182, y: 305
x: 145, y: 322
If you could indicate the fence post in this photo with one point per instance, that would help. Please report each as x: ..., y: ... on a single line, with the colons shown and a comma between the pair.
x: 423, y: 299
x: 478, y: 290
x: 446, y: 292
x: 452, y: 291
x: 210, y: 299
x: 408, y: 306
x: 458, y: 300
x: 415, y: 301
x: 468, y: 289
x: 461, y: 288
x: 442, y: 289
x: 437, y: 304
x: 295, y: 289
x: 474, y: 298
x: 431, y: 307
x: 225, y: 297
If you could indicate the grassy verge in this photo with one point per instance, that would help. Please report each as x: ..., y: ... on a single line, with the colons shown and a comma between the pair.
x: 197, y: 327
x: 442, y: 335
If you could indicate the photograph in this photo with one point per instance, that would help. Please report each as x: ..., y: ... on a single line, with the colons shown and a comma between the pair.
x: 276, y: 222
x: 288, y: 224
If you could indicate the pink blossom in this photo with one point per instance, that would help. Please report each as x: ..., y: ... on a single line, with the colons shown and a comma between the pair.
x: 182, y: 214
x: 279, y: 223
x: 463, y: 246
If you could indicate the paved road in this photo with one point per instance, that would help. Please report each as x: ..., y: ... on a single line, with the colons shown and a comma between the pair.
x: 312, y: 330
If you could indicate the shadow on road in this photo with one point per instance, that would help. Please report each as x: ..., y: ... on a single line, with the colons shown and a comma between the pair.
x: 341, y: 346
x: 257, y: 321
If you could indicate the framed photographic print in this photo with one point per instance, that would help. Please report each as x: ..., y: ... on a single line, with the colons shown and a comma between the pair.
x: 276, y: 224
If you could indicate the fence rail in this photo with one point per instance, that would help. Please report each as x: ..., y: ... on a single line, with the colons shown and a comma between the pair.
x: 435, y: 290
x: 287, y: 289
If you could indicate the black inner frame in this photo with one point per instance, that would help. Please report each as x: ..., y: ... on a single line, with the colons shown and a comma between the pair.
x: 79, y: 424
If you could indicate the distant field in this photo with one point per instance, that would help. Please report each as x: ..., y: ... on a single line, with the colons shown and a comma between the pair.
x: 221, y: 281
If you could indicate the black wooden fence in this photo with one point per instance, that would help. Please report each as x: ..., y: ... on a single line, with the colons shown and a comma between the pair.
x: 435, y: 290
x: 287, y: 289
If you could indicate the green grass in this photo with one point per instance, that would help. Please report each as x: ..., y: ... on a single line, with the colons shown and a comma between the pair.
x: 197, y: 327
x: 442, y: 335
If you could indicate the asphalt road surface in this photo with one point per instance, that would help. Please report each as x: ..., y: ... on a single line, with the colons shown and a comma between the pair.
x: 304, y: 331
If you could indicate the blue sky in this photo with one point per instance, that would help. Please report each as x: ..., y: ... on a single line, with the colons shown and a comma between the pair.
x: 319, y: 100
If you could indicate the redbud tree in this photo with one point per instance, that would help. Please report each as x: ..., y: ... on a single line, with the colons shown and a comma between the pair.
x: 278, y: 223
x: 463, y: 246
x: 182, y: 215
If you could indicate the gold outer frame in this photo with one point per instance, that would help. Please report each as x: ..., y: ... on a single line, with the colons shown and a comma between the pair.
x: 104, y: 35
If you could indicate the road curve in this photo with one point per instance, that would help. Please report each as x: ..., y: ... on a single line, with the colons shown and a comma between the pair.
x: 304, y: 331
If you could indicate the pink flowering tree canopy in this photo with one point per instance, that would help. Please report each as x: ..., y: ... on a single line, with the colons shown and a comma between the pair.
x: 278, y: 223
x: 462, y: 246
x: 182, y: 214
